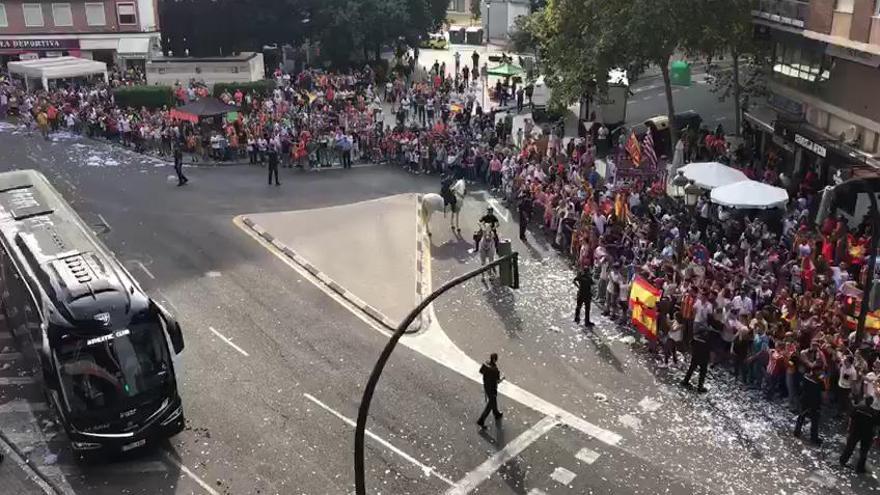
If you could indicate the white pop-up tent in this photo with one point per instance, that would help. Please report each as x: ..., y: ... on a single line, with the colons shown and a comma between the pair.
x: 749, y: 194
x: 710, y: 175
x: 44, y: 69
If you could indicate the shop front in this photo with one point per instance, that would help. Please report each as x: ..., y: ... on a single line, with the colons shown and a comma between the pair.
x: 120, y: 49
x: 817, y: 154
x: 12, y: 50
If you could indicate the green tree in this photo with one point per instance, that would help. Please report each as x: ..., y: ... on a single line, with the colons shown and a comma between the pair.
x: 730, y: 35
x: 579, y: 50
x: 475, y: 9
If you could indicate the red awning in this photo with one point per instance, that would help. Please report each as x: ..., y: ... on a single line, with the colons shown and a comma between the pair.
x: 178, y: 115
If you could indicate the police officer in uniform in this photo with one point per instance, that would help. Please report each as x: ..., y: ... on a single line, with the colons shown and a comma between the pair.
x: 584, y: 284
x: 811, y: 402
x: 862, y: 421
x: 699, y: 357
x: 525, y: 214
x: 178, y: 165
x: 491, y: 378
x: 273, y: 166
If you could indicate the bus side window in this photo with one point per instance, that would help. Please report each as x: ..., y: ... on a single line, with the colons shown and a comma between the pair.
x: 19, y: 309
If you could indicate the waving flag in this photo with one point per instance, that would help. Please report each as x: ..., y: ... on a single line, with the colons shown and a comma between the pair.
x: 643, y: 299
x: 633, y: 149
x: 648, y: 147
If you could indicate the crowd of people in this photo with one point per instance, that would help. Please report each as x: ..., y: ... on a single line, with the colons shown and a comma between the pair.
x: 767, y: 297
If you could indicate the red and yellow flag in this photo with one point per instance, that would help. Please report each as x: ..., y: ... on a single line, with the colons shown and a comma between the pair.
x: 643, y: 299
x: 634, y: 149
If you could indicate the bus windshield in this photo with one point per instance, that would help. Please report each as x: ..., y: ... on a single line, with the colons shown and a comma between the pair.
x: 115, y: 370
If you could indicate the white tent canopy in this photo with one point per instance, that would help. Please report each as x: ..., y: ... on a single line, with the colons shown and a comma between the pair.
x: 749, y: 194
x: 710, y: 175
x: 45, y: 69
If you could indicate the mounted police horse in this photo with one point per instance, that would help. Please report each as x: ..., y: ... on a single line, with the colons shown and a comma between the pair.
x: 451, y: 196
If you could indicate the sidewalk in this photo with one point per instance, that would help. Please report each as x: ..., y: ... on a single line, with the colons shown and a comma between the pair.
x: 18, y: 478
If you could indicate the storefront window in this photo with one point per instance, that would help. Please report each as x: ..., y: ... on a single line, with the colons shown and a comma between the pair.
x: 800, y: 63
x: 3, y: 21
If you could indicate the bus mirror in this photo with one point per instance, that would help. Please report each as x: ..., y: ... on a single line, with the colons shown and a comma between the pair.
x: 176, y: 335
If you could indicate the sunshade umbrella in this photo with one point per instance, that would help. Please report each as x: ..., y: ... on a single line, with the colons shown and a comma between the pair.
x: 749, y: 194
x: 506, y: 70
x: 710, y: 175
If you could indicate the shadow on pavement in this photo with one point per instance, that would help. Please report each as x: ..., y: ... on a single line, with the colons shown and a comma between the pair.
x: 457, y: 249
x: 603, y: 350
x: 503, y: 303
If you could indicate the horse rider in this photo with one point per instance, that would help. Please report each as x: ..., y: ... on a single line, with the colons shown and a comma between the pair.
x: 446, y: 192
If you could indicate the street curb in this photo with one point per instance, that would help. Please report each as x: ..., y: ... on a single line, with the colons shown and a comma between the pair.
x: 43, y: 481
x: 292, y: 255
x: 423, y: 282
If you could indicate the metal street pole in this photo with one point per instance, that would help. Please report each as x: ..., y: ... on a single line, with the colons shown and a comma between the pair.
x: 364, y: 409
x: 869, y: 276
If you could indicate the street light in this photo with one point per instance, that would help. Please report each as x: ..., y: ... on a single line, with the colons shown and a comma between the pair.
x: 679, y: 183
x: 488, y: 21
x: 692, y: 194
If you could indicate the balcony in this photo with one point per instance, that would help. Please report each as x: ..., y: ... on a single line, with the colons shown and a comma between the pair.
x: 792, y: 13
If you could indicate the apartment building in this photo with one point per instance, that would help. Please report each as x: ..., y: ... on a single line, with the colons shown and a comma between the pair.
x: 118, y: 32
x: 823, y: 112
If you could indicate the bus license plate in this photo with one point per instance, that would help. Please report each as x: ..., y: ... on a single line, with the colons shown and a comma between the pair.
x: 134, y: 445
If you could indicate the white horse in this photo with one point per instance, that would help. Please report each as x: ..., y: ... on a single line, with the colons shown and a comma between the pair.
x: 459, y: 191
x: 487, y: 248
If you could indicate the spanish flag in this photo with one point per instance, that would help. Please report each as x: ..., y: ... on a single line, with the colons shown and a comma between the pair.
x: 872, y: 321
x: 643, y: 299
x: 634, y: 149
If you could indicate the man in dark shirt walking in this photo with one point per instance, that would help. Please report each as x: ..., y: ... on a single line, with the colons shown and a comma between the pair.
x: 811, y: 403
x: 178, y: 166
x: 273, y: 166
x: 862, y: 421
x: 491, y: 378
x: 525, y: 214
x: 584, y: 284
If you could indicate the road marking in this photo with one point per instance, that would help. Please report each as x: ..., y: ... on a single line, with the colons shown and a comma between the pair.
x: 213, y: 274
x: 427, y: 470
x: 536, y: 491
x: 435, y: 345
x: 20, y: 406
x: 646, y: 98
x: 485, y: 470
x: 144, y: 269
x: 231, y: 344
x: 587, y: 456
x: 562, y: 475
x: 497, y: 207
x: 104, y: 221
x: 193, y: 476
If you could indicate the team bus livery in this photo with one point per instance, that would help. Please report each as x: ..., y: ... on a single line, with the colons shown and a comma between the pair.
x: 102, y: 347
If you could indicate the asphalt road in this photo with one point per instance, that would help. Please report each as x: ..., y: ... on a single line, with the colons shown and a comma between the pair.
x: 274, y: 368
x: 272, y: 413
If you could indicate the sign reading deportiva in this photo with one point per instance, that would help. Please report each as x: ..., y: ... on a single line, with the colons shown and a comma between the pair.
x: 38, y: 44
x: 806, y: 143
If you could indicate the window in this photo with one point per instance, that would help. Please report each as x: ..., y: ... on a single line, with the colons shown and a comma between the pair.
x: 844, y: 6
x: 61, y: 14
x: 877, y: 8
x: 33, y: 14
x: 126, y: 14
x: 793, y: 61
x: 3, y: 21
x: 95, y: 15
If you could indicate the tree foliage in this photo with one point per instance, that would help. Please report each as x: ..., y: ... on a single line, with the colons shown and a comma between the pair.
x: 346, y: 29
x: 578, y: 51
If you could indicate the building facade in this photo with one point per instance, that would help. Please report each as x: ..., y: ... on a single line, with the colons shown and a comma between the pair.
x: 823, y: 111
x: 119, y: 32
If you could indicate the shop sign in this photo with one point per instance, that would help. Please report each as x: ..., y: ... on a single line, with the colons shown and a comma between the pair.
x: 38, y: 44
x: 806, y: 143
x: 853, y: 55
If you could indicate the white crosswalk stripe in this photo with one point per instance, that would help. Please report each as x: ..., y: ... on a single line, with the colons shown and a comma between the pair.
x: 562, y: 476
x: 587, y: 456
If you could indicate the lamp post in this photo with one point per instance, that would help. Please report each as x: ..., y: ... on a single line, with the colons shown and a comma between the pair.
x: 488, y: 21
x: 692, y: 194
x: 679, y: 183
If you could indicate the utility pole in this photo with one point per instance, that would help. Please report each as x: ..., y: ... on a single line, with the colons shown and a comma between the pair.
x: 509, y: 274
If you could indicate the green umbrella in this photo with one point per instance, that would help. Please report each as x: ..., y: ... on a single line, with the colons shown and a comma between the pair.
x: 506, y: 70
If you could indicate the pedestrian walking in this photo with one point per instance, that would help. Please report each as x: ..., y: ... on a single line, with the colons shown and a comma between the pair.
x: 491, y: 378
x: 273, y: 166
x: 811, y: 403
x: 475, y: 57
x: 178, y: 166
x: 584, y: 283
x: 525, y: 214
x: 862, y: 424
x: 699, y: 357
